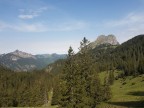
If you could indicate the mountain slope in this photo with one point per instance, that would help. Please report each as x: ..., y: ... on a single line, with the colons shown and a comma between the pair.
x: 128, y: 57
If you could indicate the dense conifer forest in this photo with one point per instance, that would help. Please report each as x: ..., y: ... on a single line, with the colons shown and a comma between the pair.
x: 128, y: 57
x: 24, y: 89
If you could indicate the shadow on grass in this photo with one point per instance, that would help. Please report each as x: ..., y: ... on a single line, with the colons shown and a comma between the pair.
x: 131, y: 104
x: 138, y: 93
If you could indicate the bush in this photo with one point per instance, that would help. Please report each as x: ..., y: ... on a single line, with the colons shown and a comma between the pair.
x: 133, y: 83
x: 124, y: 83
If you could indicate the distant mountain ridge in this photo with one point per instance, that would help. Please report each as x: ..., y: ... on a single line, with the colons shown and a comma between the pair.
x: 22, y: 61
x: 22, y: 54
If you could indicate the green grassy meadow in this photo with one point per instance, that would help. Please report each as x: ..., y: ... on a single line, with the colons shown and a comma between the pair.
x: 126, y: 92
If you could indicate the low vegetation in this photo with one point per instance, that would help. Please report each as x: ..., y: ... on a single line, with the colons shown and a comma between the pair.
x: 126, y: 92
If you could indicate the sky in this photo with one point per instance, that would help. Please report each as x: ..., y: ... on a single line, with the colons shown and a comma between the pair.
x: 51, y: 26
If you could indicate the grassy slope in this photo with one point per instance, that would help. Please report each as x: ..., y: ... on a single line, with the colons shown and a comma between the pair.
x: 126, y: 93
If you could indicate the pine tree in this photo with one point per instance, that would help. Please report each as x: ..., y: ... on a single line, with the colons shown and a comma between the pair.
x: 67, y: 82
x: 89, y: 85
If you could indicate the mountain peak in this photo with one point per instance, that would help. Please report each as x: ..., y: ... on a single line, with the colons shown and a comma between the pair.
x: 22, y: 54
x: 102, y: 39
x: 17, y: 51
x: 110, y: 39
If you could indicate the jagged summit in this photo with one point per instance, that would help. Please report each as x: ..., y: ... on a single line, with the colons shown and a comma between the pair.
x: 22, y: 54
x: 102, y: 39
x: 111, y: 39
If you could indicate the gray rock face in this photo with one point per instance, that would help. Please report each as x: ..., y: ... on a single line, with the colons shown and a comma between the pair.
x: 102, y: 39
x: 22, y: 54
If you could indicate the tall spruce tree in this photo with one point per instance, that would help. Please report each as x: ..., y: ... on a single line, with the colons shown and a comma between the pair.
x: 90, y: 87
x: 67, y: 82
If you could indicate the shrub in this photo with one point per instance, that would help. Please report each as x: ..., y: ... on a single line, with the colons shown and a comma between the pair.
x: 133, y: 83
x: 124, y: 83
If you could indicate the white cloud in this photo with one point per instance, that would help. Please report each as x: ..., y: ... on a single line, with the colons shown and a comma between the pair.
x: 36, y: 27
x: 27, y: 16
x: 41, y: 27
x: 69, y: 26
x: 130, y: 19
x: 4, y: 25
x: 127, y: 27
x: 30, y: 14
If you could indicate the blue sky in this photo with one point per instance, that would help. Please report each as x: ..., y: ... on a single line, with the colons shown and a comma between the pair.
x: 51, y: 26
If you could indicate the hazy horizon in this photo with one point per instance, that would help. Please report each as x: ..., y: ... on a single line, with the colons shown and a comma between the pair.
x: 51, y: 26
x: 76, y: 50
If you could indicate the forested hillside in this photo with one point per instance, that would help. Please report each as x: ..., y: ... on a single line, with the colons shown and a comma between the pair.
x: 128, y: 57
x: 79, y: 71
x: 24, y: 89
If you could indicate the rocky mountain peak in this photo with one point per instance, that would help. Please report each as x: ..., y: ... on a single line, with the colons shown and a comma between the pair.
x: 110, y: 39
x: 22, y: 54
x: 102, y: 39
